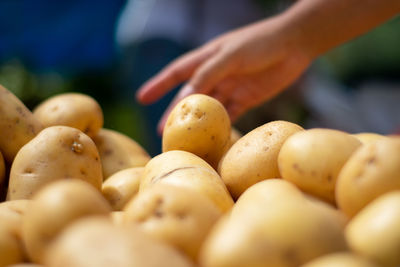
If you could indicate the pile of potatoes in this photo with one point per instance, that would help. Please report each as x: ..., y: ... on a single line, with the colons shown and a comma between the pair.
x: 78, y: 195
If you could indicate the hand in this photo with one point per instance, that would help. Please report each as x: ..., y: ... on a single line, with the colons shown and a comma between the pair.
x: 242, y: 69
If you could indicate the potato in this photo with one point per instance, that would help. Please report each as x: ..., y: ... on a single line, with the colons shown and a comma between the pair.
x: 342, y: 259
x: 366, y: 138
x: 120, y: 187
x: 96, y: 242
x: 10, y: 247
x: 71, y: 109
x: 117, y: 218
x: 53, y: 208
x: 11, y: 244
x: 273, y: 225
x: 12, y: 213
x: 372, y: 170
x: 312, y: 160
x: 185, y: 169
x: 374, y: 232
x: 198, y: 124
x: 163, y: 211
x: 118, y: 152
x: 57, y: 152
x: 25, y: 265
x: 253, y: 157
x: 235, y: 136
x: 17, y: 123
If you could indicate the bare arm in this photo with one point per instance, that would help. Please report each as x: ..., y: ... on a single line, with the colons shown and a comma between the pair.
x: 325, y: 24
x: 248, y: 66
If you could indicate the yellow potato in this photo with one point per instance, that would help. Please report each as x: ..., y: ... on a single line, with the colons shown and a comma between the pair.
x: 366, y: 138
x: 117, y: 218
x: 375, y: 233
x: 53, y: 208
x: 97, y: 242
x: 118, y: 152
x: 235, y: 136
x: 312, y: 160
x: 120, y: 187
x: 343, y: 259
x: 253, y: 157
x: 11, y: 244
x: 58, y: 152
x: 372, y: 170
x: 17, y: 123
x: 163, y: 211
x: 272, y: 225
x: 71, y: 109
x: 10, y: 247
x: 185, y: 169
x: 198, y: 124
x: 12, y: 213
x: 25, y: 265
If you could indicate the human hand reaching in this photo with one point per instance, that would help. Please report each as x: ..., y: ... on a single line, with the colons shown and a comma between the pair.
x: 242, y: 69
x: 248, y: 66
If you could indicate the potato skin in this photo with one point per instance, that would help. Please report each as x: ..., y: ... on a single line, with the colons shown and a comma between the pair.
x: 117, y: 218
x: 97, y: 242
x: 10, y: 247
x: 118, y: 151
x: 198, y: 124
x: 273, y: 225
x: 235, y: 136
x: 17, y: 123
x: 12, y: 212
x: 374, y: 232
x: 185, y: 169
x: 53, y: 208
x: 11, y: 244
x: 25, y: 265
x: 344, y: 259
x: 57, y: 152
x: 163, y: 211
x: 120, y: 187
x: 312, y: 160
x: 253, y: 157
x: 371, y: 171
x: 71, y: 109
x: 366, y: 138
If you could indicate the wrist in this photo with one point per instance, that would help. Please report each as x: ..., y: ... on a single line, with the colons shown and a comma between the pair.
x: 296, y: 36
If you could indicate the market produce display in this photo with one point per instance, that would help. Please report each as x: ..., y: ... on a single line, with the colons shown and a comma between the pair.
x: 79, y: 195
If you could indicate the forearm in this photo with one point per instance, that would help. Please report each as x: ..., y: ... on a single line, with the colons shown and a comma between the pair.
x: 324, y: 24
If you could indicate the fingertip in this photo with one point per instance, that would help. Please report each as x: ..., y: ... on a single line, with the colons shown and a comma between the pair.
x: 139, y: 96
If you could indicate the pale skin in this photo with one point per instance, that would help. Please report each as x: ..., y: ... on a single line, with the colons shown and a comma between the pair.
x: 248, y: 66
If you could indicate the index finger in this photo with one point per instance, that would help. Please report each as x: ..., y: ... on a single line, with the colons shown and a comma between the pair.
x: 171, y: 76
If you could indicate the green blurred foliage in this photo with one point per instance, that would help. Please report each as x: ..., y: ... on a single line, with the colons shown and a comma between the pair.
x: 375, y: 55
x: 31, y: 88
